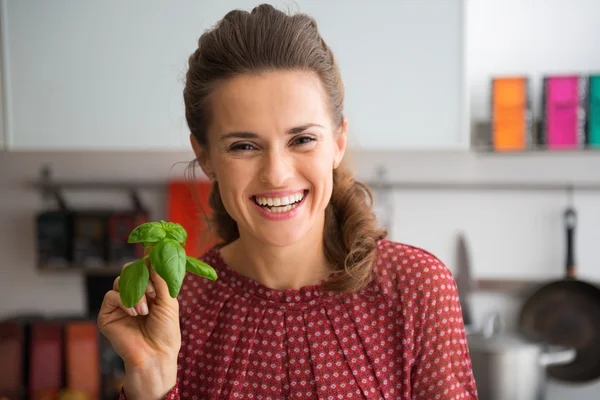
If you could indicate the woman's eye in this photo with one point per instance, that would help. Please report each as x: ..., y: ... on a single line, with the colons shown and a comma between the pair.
x: 304, y: 140
x: 242, y: 147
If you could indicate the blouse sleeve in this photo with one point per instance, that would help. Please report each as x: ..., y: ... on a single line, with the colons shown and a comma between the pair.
x: 173, y: 394
x: 442, y: 367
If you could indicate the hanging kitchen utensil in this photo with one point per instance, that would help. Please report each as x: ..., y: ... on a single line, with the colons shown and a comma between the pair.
x: 508, y: 367
x: 464, y: 282
x: 567, y: 312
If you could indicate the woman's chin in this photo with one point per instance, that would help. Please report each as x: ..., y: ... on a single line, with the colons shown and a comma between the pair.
x: 280, y: 238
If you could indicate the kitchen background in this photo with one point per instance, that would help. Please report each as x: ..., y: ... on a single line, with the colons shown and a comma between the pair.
x: 93, y: 90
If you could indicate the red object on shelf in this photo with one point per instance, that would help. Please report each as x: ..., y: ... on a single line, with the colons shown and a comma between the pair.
x: 46, y: 360
x: 190, y: 211
x: 12, y: 337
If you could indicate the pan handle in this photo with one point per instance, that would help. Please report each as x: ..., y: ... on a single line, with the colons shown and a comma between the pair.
x: 570, y: 224
x: 557, y: 356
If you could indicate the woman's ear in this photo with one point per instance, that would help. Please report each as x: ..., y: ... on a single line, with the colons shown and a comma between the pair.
x: 341, y: 142
x: 202, y: 156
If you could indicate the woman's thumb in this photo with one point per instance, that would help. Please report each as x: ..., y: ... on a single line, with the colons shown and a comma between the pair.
x: 160, y: 285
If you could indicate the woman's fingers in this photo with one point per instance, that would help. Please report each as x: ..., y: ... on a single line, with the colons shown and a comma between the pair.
x: 156, y: 287
x: 141, y: 308
x: 112, y: 302
x: 150, y: 291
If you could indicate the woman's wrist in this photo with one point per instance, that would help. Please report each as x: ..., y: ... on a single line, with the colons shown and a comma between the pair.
x: 151, y: 382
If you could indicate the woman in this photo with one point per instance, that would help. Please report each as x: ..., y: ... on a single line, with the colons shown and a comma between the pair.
x: 311, y: 300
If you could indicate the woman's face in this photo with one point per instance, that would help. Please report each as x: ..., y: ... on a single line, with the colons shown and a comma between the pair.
x: 272, y: 147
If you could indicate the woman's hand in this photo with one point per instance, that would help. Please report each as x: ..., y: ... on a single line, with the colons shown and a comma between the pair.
x: 147, y: 337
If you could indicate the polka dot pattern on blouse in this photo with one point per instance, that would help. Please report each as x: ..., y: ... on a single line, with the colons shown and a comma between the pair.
x: 402, y: 337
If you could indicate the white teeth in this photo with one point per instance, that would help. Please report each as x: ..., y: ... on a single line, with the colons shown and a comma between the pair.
x: 283, y: 209
x: 280, y: 201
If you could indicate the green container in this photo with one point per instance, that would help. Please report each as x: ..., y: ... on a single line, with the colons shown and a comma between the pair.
x: 594, y: 112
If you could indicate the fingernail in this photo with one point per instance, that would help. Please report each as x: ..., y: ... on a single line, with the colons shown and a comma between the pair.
x: 133, y: 312
x: 149, y: 287
x: 144, y: 309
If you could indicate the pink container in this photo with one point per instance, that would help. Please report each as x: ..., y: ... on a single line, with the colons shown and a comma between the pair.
x: 563, y: 107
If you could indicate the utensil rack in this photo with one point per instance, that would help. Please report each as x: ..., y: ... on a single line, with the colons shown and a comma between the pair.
x: 50, y: 188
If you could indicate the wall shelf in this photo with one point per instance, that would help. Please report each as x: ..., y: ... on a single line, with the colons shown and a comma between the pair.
x: 506, y: 286
x: 485, y: 186
x: 514, y: 287
x: 381, y: 183
x: 49, y: 186
x: 107, y: 270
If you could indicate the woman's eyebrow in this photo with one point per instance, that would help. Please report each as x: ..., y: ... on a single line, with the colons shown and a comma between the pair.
x: 252, y: 135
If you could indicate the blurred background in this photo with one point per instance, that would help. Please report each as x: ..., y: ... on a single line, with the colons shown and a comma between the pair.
x: 472, y: 120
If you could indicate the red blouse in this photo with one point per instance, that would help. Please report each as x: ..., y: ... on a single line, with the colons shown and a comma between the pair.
x: 402, y: 337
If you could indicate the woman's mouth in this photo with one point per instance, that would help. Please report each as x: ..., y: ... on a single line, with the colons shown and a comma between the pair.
x: 281, y: 204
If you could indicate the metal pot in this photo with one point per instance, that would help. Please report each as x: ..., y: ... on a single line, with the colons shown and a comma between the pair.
x: 508, y: 367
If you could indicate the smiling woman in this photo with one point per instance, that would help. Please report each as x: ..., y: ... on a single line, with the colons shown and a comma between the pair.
x: 312, y: 300
x: 271, y: 139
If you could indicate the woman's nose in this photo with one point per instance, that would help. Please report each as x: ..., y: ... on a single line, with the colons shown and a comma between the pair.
x: 276, y: 169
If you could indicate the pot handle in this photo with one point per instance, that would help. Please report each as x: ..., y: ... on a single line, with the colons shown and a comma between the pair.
x: 557, y: 356
x: 493, y: 325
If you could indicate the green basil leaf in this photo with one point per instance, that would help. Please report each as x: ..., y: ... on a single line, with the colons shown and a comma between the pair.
x: 147, y: 232
x: 167, y: 257
x: 198, y: 267
x: 175, y: 231
x: 133, y: 282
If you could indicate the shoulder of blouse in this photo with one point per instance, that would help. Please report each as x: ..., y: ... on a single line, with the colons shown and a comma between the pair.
x: 403, y: 270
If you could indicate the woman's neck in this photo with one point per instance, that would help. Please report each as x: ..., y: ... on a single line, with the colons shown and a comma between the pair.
x: 281, y: 268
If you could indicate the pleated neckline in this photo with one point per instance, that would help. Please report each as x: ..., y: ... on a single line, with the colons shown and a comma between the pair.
x: 305, y: 297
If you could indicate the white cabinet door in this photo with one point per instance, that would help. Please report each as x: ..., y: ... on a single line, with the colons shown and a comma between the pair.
x: 108, y: 74
x: 98, y: 74
x: 402, y: 64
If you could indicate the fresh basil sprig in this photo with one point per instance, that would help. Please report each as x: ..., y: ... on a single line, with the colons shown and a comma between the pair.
x: 167, y: 257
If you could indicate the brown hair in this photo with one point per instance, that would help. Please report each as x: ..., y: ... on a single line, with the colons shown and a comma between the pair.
x: 268, y: 39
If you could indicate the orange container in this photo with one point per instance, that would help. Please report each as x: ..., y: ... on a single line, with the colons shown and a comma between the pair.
x: 511, y: 114
x: 82, y: 358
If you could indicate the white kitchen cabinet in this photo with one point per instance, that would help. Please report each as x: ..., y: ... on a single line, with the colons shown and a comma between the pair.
x: 102, y: 75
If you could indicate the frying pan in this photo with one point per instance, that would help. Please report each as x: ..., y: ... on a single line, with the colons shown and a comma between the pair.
x: 567, y: 313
